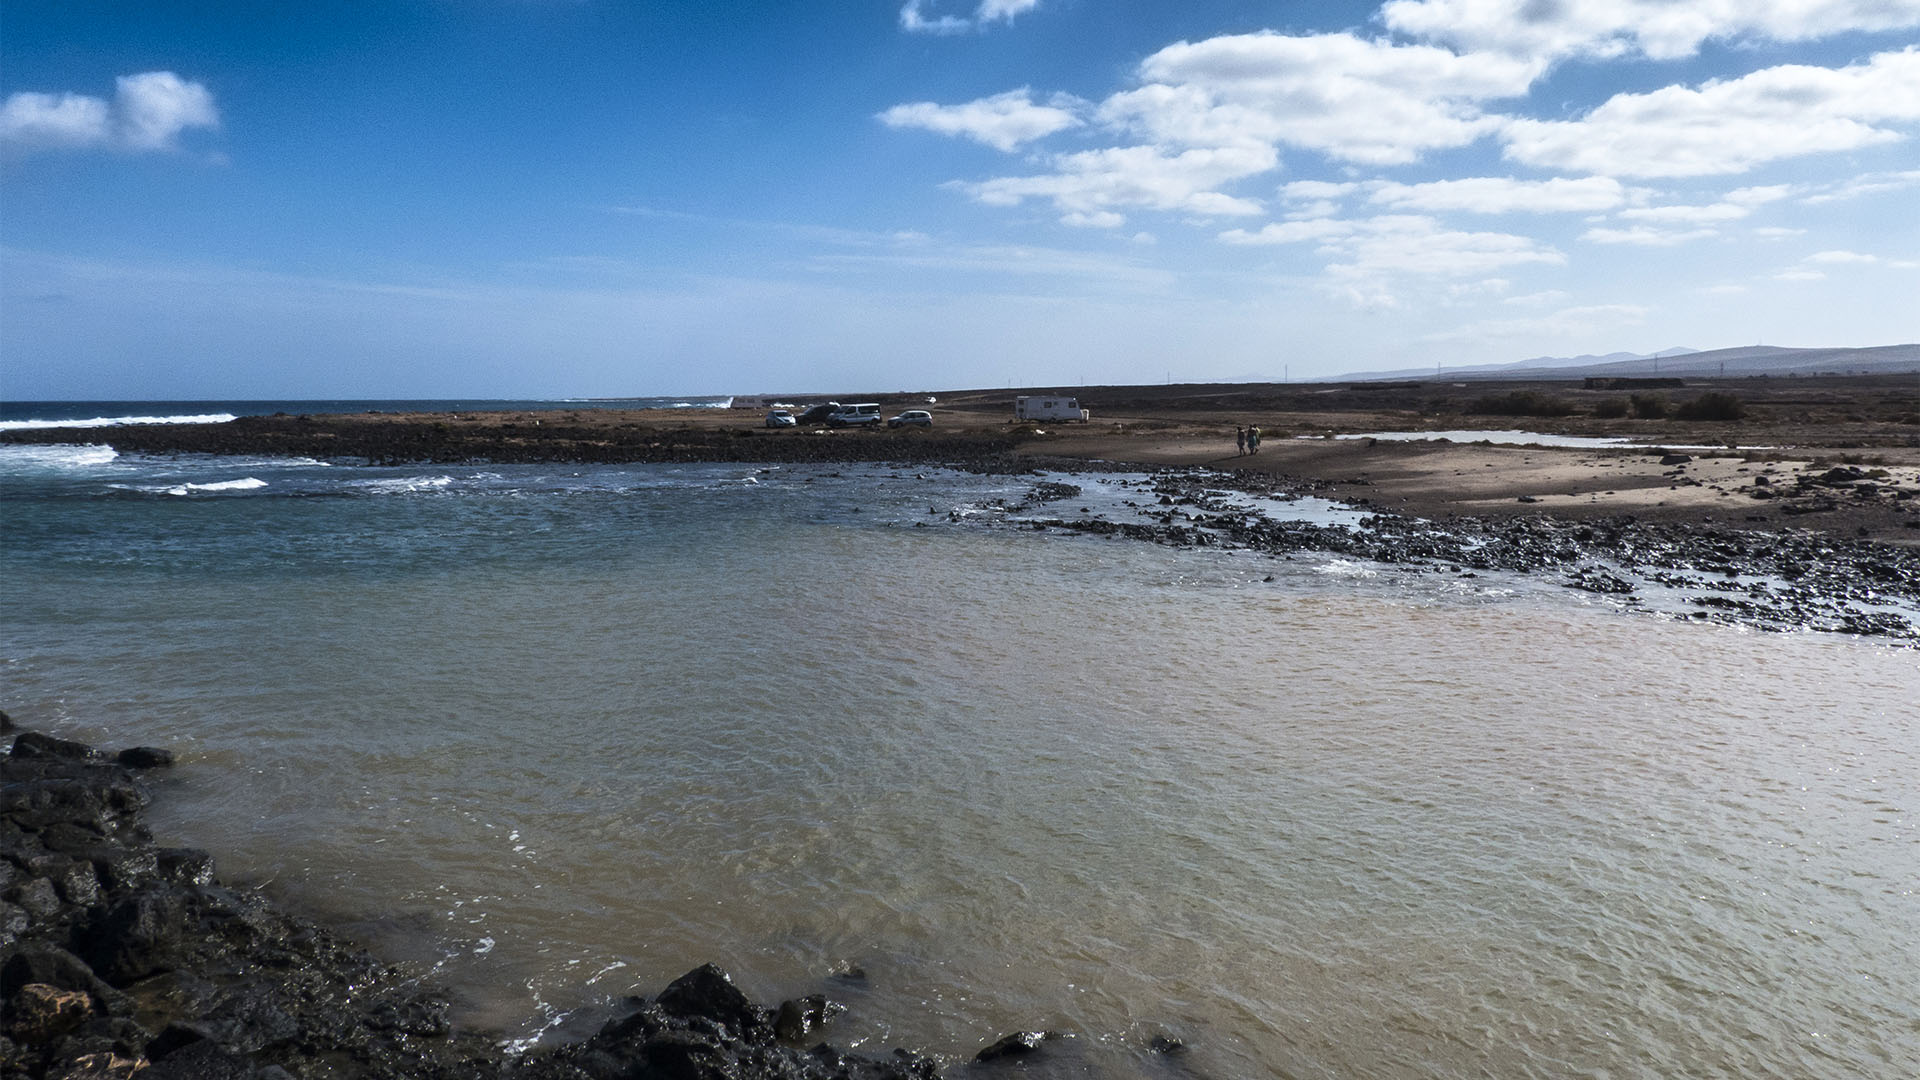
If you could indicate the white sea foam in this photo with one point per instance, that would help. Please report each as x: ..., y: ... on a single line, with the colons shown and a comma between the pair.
x: 115, y: 421
x: 247, y: 484
x: 1347, y: 568
x: 58, y: 456
x: 405, y: 484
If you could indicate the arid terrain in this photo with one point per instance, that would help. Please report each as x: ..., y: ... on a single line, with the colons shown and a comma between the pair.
x: 1835, y: 454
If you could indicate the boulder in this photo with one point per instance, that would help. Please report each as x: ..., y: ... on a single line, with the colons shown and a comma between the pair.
x: 34, y: 744
x: 708, y: 992
x: 799, y: 1018
x: 145, y: 757
x: 142, y: 934
x: 40, y: 1013
x: 1018, y: 1044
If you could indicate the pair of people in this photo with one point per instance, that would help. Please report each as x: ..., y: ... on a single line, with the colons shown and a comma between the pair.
x: 1246, y: 440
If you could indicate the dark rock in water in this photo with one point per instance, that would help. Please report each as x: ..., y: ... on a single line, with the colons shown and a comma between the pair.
x: 708, y: 992
x: 145, y: 757
x: 1674, y: 459
x: 6, y: 722
x: 184, y: 866
x: 848, y: 972
x: 1166, y: 1044
x: 33, y: 744
x: 799, y: 1018
x: 1018, y: 1044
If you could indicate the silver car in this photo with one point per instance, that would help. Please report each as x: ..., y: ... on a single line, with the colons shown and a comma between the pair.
x: 780, y: 418
x: 912, y: 417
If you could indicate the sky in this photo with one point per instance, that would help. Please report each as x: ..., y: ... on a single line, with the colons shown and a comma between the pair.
x: 553, y: 198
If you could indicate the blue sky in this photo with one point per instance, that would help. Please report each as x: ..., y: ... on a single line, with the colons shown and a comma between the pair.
x: 512, y: 198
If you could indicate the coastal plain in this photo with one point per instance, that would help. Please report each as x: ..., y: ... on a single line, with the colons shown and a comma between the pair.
x: 1838, y: 455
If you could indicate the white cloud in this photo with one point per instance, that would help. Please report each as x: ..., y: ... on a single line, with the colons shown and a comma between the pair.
x: 1502, y: 195
x: 1730, y: 126
x: 1373, y: 102
x: 149, y: 111
x: 1857, y: 258
x: 1734, y: 206
x: 1409, y: 244
x: 1645, y: 236
x: 1289, y: 232
x: 1799, y: 275
x: 1136, y: 177
x: 1724, y: 290
x: 1003, y: 121
x: 1661, y: 29
x: 1776, y: 232
x: 1869, y: 184
x: 1402, y: 244
x: 1316, y: 190
x: 913, y: 16
x: 48, y: 121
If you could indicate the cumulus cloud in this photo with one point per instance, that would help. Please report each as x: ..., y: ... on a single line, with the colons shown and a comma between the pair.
x: 914, y: 17
x: 1503, y: 195
x: 1734, y: 206
x: 1660, y: 29
x: 1402, y: 244
x: 1646, y: 236
x: 1086, y: 186
x: 1869, y: 184
x: 1730, y: 126
x: 1857, y: 258
x: 1354, y: 99
x: 1003, y: 121
x: 149, y: 111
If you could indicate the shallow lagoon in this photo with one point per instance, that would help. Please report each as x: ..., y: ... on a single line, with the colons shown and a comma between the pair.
x: 561, y: 734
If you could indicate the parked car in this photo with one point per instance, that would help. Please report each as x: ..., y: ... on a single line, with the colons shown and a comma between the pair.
x: 865, y: 414
x: 817, y: 414
x: 914, y: 417
x: 780, y: 418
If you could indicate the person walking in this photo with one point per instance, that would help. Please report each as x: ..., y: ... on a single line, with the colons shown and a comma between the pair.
x: 1253, y: 440
x: 1239, y: 440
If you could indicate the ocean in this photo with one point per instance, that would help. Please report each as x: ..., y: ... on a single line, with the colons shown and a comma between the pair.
x: 30, y: 414
x: 553, y: 734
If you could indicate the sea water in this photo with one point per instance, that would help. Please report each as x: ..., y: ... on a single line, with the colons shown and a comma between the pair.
x: 556, y: 734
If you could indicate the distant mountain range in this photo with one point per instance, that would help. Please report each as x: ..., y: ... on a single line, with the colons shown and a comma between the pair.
x: 1735, y: 362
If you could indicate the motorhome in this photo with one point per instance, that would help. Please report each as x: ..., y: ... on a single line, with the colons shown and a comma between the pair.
x: 1038, y: 407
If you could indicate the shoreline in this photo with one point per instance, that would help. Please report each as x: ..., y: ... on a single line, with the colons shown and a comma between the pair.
x: 1838, y: 456
x: 1771, y: 539
x: 121, y: 957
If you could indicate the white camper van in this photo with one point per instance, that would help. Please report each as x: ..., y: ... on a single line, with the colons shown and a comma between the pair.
x: 1037, y: 407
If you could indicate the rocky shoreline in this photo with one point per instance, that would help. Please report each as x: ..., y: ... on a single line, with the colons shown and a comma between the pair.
x: 1777, y: 577
x: 121, y: 957
x: 1776, y: 581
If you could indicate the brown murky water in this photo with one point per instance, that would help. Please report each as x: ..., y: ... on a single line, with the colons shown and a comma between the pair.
x: 560, y: 742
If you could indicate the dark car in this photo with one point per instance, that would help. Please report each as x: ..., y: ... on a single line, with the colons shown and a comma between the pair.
x: 818, y: 414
